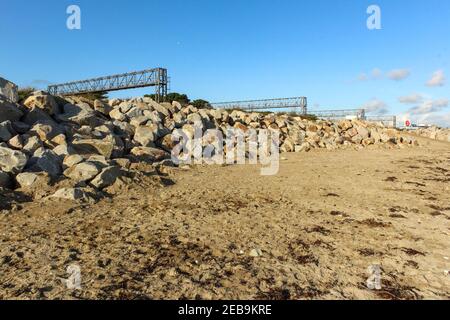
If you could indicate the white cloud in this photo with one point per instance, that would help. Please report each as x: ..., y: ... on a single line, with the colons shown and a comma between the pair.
x: 437, y: 79
x: 375, y: 106
x: 429, y: 106
x: 441, y: 120
x: 377, y: 73
x: 441, y: 103
x: 411, y: 99
x: 399, y: 74
x: 363, y: 77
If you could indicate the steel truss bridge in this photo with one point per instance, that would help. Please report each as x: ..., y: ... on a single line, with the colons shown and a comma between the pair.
x: 387, y: 121
x: 147, y: 78
x: 297, y: 103
x: 339, y: 114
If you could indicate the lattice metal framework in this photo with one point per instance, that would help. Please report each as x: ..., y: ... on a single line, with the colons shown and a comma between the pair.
x: 339, y: 114
x: 387, y: 121
x: 147, y: 78
x: 299, y: 103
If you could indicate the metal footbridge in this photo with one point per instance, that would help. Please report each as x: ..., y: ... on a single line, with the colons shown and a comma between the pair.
x: 147, y: 78
x: 300, y: 104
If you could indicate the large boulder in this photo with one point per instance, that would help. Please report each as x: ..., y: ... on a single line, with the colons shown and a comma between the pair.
x: 9, y: 111
x: 27, y: 179
x: 116, y: 114
x: 5, y: 180
x: 148, y: 154
x: 6, y: 131
x: 82, y: 172
x: 46, y: 130
x: 167, y: 143
x: 31, y: 144
x: 107, y: 177
x: 71, y: 160
x: 363, y: 132
x: 104, y: 147
x: 42, y: 101
x: 81, y: 114
x: 35, y: 115
x: 73, y: 194
x: 20, y: 127
x: 9, y: 90
x: 44, y: 160
x: 161, y: 109
x: 12, y: 161
x: 102, y: 107
x: 147, y: 135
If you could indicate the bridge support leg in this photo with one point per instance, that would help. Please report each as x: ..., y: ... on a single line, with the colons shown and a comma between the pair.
x: 161, y: 86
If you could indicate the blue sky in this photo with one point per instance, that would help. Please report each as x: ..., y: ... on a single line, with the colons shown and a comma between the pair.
x: 244, y: 49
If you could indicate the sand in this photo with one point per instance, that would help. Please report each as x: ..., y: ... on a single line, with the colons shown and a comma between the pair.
x: 225, y: 232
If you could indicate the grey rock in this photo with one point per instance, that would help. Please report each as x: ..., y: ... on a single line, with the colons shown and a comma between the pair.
x: 9, y: 90
x: 146, y: 135
x: 6, y: 131
x: 122, y: 162
x: 81, y: 114
x: 36, y: 115
x: 134, y: 112
x: 32, y: 144
x: 62, y: 151
x: 71, y: 160
x: 104, y: 147
x: 125, y: 106
x: 99, y: 160
x: 9, y: 111
x: 12, y: 161
x: 123, y: 128
x: 5, y: 180
x: 161, y: 109
x: 139, y: 121
x: 27, y: 179
x: 46, y: 161
x: 20, y: 127
x: 73, y: 194
x: 82, y: 172
x: 46, y: 130
x: 114, y: 102
x: 116, y: 114
x: 107, y: 177
x: 42, y: 101
x: 179, y: 119
x: 363, y: 132
x: 177, y: 106
x: 256, y: 253
x: 102, y: 107
x: 194, y: 118
x: 16, y: 142
x: 149, y: 154
x: 304, y: 147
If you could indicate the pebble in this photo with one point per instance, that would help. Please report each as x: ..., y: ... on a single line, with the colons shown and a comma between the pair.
x: 255, y: 253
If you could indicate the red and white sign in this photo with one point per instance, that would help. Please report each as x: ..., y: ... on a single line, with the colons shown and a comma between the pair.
x: 408, y: 123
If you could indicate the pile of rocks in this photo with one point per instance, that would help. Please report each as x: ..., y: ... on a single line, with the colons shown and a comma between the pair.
x: 435, y: 133
x: 93, y: 144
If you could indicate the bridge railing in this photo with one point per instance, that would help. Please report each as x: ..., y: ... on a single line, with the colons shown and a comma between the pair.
x: 299, y: 103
